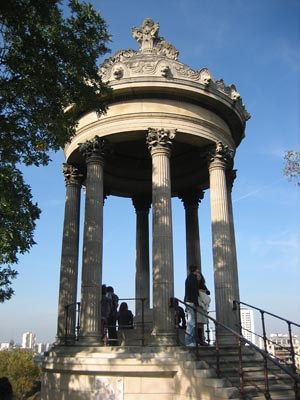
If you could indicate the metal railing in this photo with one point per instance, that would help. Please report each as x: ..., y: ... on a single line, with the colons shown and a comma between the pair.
x: 240, y: 343
x: 72, y: 325
x: 290, y: 349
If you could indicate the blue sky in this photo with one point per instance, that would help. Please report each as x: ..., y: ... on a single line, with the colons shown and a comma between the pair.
x: 255, y: 45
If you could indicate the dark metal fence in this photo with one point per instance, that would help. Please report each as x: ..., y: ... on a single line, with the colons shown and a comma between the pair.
x: 240, y: 343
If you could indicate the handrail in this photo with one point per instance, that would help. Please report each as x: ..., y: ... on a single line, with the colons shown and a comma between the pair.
x: 266, y: 312
x: 291, y: 350
x: 240, y: 338
x: 72, y: 322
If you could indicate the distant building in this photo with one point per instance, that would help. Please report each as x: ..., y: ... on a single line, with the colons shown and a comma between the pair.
x: 28, y: 340
x: 247, y: 322
x: 278, y: 345
x: 39, y: 348
x: 4, y: 346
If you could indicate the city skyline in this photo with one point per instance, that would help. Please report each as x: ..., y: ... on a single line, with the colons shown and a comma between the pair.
x: 253, y: 46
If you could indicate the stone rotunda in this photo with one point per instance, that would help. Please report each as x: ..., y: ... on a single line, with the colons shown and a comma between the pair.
x: 170, y: 131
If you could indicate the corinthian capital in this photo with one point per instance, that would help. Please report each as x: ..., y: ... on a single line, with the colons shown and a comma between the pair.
x: 231, y: 176
x: 72, y: 174
x: 160, y: 138
x: 220, y: 152
x: 95, y: 149
x: 191, y: 198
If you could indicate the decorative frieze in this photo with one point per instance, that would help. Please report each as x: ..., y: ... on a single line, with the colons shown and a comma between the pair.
x: 72, y: 174
x: 160, y: 138
x: 148, y: 62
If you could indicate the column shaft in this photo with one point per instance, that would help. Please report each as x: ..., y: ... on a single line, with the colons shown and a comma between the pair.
x: 162, y: 240
x: 222, y: 245
x: 90, y: 321
x: 230, y: 177
x: 193, y: 254
x: 69, y: 255
x: 142, y: 276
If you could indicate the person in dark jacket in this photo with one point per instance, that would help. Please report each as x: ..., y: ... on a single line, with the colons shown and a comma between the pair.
x: 191, y: 298
x: 112, y: 317
x: 124, y: 317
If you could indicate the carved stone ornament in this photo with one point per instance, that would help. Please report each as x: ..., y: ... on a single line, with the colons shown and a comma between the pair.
x: 160, y: 138
x: 192, y: 198
x: 95, y: 149
x: 158, y: 58
x: 231, y: 176
x: 141, y: 203
x: 72, y: 174
x: 220, y: 152
x: 150, y: 42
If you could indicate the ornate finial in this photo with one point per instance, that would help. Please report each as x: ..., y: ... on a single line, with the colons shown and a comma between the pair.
x: 95, y: 149
x: 72, y: 174
x: 146, y: 34
x: 160, y: 138
x: 149, y: 41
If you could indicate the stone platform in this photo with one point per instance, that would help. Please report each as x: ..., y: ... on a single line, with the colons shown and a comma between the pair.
x: 123, y: 373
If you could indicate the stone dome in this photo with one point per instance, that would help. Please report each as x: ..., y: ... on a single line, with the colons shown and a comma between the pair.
x: 152, y: 89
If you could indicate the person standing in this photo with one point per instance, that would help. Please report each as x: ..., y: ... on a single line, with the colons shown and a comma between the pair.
x: 191, y: 298
x: 112, y: 318
x: 203, y: 302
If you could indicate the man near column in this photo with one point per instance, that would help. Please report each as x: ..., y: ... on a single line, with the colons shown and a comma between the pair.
x: 191, y: 298
x: 112, y: 318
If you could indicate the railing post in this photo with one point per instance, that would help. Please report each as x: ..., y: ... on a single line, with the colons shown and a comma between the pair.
x: 217, y: 349
x: 267, y: 390
x: 293, y: 358
x: 143, y: 322
x: 208, y: 332
x: 241, y: 371
x: 196, y: 333
x: 78, y: 321
x: 66, y: 323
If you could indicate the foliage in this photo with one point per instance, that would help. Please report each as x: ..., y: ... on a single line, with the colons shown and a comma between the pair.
x: 18, y: 366
x: 292, y: 166
x: 48, y: 76
x: 17, y: 223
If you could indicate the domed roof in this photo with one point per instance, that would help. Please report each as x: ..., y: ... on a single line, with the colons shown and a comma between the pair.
x: 157, y: 60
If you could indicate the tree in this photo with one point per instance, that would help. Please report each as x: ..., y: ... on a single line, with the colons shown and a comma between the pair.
x: 18, y: 366
x: 48, y: 76
x: 292, y: 166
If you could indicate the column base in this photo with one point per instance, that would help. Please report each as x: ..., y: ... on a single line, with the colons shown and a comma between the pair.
x: 163, y: 339
x: 90, y: 340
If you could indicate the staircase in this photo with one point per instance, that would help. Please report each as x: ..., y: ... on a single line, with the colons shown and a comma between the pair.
x: 226, y: 386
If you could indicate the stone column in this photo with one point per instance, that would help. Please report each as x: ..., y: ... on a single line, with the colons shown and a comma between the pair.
x: 142, y: 274
x: 90, y: 330
x: 191, y: 201
x: 159, y: 143
x: 223, y: 248
x: 230, y: 177
x: 69, y: 255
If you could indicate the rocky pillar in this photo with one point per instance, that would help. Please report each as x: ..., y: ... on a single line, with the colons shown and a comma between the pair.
x: 191, y: 201
x: 223, y: 248
x: 93, y: 151
x: 159, y: 143
x: 69, y: 255
x: 142, y: 274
